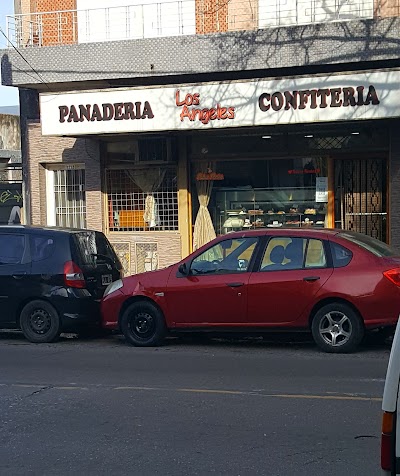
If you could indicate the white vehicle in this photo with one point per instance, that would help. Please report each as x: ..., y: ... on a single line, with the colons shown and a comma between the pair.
x: 390, y: 442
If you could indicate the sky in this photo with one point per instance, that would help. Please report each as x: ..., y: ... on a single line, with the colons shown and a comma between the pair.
x: 8, y: 96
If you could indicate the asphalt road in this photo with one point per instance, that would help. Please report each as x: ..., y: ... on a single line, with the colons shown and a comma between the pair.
x: 189, y: 408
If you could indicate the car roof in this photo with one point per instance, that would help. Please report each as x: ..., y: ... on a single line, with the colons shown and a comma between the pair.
x: 41, y: 229
x: 287, y: 231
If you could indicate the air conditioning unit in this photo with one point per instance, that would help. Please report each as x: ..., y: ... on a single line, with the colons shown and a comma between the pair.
x: 152, y: 150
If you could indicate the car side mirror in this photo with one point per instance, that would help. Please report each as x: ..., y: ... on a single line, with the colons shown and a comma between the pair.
x: 183, y: 269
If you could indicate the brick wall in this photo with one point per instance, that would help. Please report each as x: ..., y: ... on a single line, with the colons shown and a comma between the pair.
x: 52, y: 150
x: 211, y: 16
x: 61, y: 27
x: 242, y: 15
x: 386, y: 8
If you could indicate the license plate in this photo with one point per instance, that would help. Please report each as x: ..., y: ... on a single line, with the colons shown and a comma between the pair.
x: 106, y: 279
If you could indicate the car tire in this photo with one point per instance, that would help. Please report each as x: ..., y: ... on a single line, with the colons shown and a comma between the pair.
x: 40, y: 322
x: 337, y: 328
x: 143, y: 324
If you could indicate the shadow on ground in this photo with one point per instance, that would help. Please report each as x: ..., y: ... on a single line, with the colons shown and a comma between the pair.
x: 207, y: 341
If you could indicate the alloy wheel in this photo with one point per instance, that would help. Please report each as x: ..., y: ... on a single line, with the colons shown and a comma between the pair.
x: 335, y: 328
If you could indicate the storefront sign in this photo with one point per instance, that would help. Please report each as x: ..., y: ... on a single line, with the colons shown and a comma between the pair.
x: 209, y: 176
x: 122, y: 111
x: 342, y: 97
x: 321, y: 190
x: 303, y: 171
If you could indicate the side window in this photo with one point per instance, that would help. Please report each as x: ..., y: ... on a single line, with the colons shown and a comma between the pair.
x: 315, y: 257
x: 341, y: 256
x: 12, y: 248
x: 228, y: 256
x: 284, y: 253
x: 42, y: 247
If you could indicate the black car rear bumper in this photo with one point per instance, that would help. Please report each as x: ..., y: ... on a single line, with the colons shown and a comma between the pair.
x: 77, y: 308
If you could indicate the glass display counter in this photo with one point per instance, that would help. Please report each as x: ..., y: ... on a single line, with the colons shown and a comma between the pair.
x: 248, y: 208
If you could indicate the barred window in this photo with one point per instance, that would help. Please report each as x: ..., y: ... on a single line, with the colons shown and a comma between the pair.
x: 143, y: 199
x: 66, y: 197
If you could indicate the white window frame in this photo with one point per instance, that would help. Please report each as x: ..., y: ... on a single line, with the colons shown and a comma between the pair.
x: 51, y: 211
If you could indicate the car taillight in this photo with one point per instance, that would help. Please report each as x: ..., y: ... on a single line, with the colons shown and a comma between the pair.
x: 73, y: 275
x: 387, y: 440
x: 393, y: 275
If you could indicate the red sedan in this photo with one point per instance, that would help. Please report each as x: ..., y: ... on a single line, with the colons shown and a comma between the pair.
x: 338, y: 284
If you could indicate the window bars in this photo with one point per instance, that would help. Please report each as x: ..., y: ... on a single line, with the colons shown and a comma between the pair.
x: 70, y: 200
x: 142, y: 199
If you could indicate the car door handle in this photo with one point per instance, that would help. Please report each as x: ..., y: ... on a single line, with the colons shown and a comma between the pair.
x: 18, y: 276
x: 235, y: 285
x: 311, y: 278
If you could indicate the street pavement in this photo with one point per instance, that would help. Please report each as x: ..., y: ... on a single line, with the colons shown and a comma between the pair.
x: 191, y: 407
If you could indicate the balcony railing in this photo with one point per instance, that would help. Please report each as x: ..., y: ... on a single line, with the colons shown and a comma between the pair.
x: 176, y: 18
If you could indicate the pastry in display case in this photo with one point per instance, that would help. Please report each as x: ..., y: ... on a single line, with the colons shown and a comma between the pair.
x: 246, y: 208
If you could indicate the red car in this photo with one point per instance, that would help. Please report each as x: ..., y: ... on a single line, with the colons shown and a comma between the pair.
x: 338, y: 284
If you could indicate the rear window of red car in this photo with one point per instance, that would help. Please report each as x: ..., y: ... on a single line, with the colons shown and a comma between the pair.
x: 378, y: 248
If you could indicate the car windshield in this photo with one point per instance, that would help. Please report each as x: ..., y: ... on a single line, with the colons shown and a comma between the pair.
x: 378, y: 248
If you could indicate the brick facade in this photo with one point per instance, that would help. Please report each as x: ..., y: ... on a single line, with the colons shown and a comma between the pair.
x: 53, y: 150
x: 386, y: 8
x: 58, y: 27
x: 43, y: 151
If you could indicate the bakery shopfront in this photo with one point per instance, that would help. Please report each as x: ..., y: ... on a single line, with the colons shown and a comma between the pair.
x: 181, y: 164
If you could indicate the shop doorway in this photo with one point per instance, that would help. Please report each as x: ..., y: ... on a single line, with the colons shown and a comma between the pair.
x: 360, y: 196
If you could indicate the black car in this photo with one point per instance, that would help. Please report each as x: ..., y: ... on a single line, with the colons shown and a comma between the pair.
x: 52, y: 279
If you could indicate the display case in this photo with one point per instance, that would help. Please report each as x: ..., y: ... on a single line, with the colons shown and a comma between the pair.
x: 247, y: 208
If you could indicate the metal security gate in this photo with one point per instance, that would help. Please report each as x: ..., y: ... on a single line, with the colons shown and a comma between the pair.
x: 360, y: 196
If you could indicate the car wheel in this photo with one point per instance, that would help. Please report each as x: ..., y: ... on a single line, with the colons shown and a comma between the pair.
x: 143, y: 324
x: 336, y: 327
x: 40, y: 322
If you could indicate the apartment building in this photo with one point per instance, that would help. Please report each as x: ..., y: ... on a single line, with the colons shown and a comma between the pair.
x: 165, y: 124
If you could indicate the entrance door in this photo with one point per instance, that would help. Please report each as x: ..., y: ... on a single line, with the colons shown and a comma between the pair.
x: 360, y: 196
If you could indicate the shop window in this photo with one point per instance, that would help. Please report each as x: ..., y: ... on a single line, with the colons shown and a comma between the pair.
x: 142, y: 199
x: 66, y: 197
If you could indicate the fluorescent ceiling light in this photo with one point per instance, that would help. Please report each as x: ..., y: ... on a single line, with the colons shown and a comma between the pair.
x: 266, y: 137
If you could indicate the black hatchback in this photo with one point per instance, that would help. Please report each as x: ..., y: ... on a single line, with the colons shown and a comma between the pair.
x: 52, y: 279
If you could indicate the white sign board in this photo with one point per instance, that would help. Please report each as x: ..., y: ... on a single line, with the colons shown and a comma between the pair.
x: 321, y: 189
x: 260, y: 102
